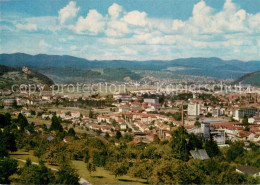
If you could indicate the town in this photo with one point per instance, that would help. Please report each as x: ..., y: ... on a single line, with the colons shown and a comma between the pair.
x: 140, y: 117
x: 145, y: 114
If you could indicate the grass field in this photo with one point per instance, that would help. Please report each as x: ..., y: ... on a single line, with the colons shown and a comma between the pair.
x: 39, y: 120
x: 100, y: 176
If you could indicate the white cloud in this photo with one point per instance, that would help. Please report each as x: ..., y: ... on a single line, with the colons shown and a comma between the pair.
x: 68, y: 12
x: 44, y: 23
x: 27, y: 26
x: 136, y: 18
x: 43, y: 46
x: 116, y: 29
x: 122, y: 34
x: 115, y: 10
x: 129, y: 51
x: 92, y: 24
x: 177, y: 24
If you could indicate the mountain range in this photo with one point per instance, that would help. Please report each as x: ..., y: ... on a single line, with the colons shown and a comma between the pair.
x: 52, y: 65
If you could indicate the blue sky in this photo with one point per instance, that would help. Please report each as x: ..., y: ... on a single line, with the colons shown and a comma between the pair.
x: 132, y: 29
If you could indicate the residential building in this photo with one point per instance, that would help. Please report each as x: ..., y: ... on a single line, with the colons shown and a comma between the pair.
x: 193, y: 109
x: 151, y: 100
x: 239, y: 114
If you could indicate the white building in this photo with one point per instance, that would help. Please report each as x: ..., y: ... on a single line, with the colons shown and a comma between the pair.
x: 239, y: 114
x: 151, y: 100
x: 193, y: 109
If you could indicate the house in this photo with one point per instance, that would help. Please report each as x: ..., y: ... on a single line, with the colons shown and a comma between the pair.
x: 9, y: 103
x: 151, y: 100
x: 38, y: 128
x: 156, y: 106
x: 142, y: 127
x: 46, y: 97
x: 249, y: 170
x: 85, y: 116
x: 47, y: 116
x: 123, y: 126
x: 50, y: 138
x: 103, y: 118
x: 216, y: 112
x: 123, y: 108
x: 26, y: 113
x: 244, y: 135
x: 75, y: 114
x: 254, y: 120
x: 67, y: 139
x: 60, y: 114
x: 199, y: 154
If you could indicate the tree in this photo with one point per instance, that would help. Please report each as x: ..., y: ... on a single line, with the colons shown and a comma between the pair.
x: 179, y: 143
x: 7, y: 142
x: 67, y: 175
x: 197, y: 123
x: 247, y: 128
x: 245, y: 120
x: 22, y: 121
x: 175, y: 172
x: 28, y: 162
x: 211, y: 147
x: 118, y: 135
x: 120, y: 169
x: 91, y: 167
x: 36, y: 174
x: 235, y: 150
x: 245, y: 123
x: 91, y: 114
x: 194, y: 142
x: 71, y: 132
x: 7, y: 168
x: 156, y: 139
x: 56, y: 124
x: 107, y: 136
x: 7, y: 119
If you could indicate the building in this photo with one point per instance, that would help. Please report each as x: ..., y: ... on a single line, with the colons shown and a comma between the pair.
x: 199, y: 154
x: 249, y: 170
x: 151, y: 100
x: 75, y: 114
x: 123, y: 108
x: 239, y: 114
x: 205, y: 130
x: 254, y: 120
x: 219, y: 136
x: 193, y: 109
x: 9, y: 103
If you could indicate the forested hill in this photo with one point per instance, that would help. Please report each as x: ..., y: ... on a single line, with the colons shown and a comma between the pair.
x: 212, y: 67
x: 250, y: 79
x: 15, y: 75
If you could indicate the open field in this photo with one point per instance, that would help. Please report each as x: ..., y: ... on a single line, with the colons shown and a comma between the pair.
x: 39, y: 120
x: 100, y: 176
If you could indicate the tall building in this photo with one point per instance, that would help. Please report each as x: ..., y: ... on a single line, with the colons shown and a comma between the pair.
x: 193, y: 109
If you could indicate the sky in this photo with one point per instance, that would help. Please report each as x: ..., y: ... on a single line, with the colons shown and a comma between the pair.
x: 132, y: 29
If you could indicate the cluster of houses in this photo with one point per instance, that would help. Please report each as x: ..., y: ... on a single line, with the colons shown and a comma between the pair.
x: 141, y: 114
